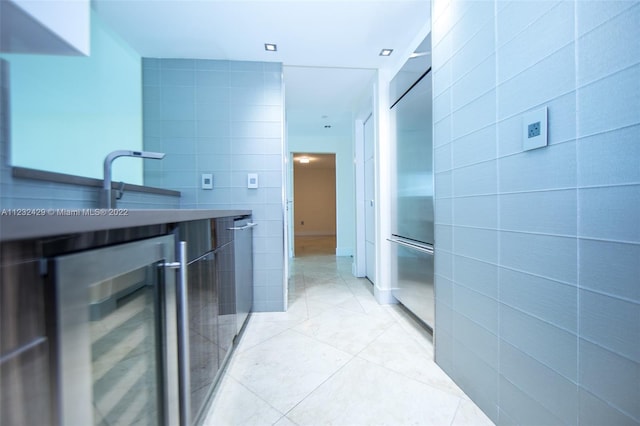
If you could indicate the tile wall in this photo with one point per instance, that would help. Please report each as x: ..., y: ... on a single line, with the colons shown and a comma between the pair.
x: 224, y: 118
x: 538, y: 260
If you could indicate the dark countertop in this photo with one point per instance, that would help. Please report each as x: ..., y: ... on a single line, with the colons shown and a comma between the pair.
x: 21, y: 224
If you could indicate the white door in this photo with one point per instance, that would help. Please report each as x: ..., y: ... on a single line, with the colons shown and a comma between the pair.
x: 370, y: 203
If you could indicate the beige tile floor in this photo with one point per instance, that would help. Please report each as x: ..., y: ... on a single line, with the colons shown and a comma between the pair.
x: 337, y: 357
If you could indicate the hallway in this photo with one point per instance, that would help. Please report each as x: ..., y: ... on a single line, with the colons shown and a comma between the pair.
x: 337, y: 357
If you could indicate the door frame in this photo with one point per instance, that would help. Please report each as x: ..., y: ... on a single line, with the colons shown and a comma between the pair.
x: 359, y: 267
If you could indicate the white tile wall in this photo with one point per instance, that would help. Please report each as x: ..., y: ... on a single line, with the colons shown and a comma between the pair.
x: 538, y: 251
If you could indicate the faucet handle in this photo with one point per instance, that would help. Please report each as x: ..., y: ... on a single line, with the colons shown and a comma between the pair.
x: 120, y: 191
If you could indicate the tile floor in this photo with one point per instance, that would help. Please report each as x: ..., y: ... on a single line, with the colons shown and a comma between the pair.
x: 337, y: 357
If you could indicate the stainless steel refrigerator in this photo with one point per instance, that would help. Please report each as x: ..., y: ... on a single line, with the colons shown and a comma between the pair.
x: 412, y: 215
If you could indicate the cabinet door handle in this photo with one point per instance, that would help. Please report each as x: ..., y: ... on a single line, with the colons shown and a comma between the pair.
x: 170, y: 265
x: 241, y: 228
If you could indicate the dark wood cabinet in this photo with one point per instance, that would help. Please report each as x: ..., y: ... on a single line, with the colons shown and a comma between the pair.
x: 31, y: 345
x: 26, y: 396
x: 211, y: 306
x: 203, y: 328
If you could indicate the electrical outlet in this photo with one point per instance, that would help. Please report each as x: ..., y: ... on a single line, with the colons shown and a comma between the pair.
x: 252, y: 180
x: 534, y: 129
x: 207, y: 181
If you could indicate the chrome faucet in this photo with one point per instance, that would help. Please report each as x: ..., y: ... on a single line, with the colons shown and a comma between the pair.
x: 106, y: 199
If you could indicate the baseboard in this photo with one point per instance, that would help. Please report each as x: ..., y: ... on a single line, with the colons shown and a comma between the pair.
x: 344, y: 251
x: 384, y: 297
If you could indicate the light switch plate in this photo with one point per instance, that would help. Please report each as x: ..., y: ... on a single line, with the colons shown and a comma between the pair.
x: 534, y: 129
x: 252, y: 180
x: 207, y: 181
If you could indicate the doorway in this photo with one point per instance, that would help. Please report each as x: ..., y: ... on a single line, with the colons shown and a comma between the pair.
x: 314, y: 204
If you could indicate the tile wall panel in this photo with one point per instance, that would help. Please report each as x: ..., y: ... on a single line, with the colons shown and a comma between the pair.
x: 610, y: 158
x: 552, y: 31
x: 552, y: 77
x: 552, y: 390
x: 515, y: 18
x: 477, y: 243
x: 477, y: 275
x: 548, y: 256
x: 610, y: 213
x: 610, y: 103
x: 478, y: 379
x: 555, y: 302
x: 476, y: 211
x: 484, y: 342
x: 224, y: 118
x: 609, y: 40
x: 618, y: 383
x: 544, y: 212
x: 517, y: 407
x: 552, y: 232
x: 477, y: 179
x: 474, y: 148
x: 610, y: 268
x: 611, y: 323
x: 595, y: 412
x: 551, y: 168
x: 482, y: 310
x: 551, y: 345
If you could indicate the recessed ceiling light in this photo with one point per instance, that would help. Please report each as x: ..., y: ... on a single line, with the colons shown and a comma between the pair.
x: 386, y: 52
x: 270, y: 47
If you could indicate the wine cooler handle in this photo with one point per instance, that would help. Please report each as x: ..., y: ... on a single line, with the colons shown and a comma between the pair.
x: 183, y: 335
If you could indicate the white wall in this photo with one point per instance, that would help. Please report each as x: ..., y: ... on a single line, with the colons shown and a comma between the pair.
x: 538, y: 298
x: 69, y: 112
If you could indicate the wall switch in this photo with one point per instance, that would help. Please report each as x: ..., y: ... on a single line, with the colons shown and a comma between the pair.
x: 534, y: 129
x: 252, y: 180
x: 207, y: 181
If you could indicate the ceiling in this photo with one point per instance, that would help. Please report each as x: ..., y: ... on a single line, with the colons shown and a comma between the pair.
x: 329, y: 48
x: 319, y: 97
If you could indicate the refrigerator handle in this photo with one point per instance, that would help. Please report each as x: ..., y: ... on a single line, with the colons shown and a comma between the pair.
x: 421, y: 248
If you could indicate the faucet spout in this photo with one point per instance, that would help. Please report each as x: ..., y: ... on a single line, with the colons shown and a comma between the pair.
x: 106, y: 201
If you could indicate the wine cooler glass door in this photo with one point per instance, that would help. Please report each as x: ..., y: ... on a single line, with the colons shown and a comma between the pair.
x: 116, y: 350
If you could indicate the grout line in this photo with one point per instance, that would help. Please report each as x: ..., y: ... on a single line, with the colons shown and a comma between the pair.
x: 455, y: 414
x: 576, y: 61
x: 321, y: 384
